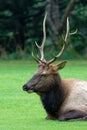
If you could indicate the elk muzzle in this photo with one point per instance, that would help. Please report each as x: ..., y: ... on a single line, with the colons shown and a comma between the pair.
x: 28, y: 89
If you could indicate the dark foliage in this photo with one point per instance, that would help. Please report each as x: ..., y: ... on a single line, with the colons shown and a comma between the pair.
x: 21, y: 24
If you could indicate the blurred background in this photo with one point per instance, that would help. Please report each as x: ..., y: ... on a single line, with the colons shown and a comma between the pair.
x: 21, y: 25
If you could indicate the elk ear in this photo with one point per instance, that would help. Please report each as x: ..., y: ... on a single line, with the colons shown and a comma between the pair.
x: 60, y: 65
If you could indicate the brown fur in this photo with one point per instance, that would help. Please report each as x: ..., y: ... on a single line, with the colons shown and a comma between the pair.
x: 63, y: 99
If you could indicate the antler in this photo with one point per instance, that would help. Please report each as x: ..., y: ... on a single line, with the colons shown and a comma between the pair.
x: 41, y: 48
x: 65, y: 42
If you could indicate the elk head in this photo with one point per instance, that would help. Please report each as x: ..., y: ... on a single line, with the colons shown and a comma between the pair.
x: 44, y: 78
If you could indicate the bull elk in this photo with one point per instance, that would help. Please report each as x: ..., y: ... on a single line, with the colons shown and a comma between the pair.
x: 63, y: 99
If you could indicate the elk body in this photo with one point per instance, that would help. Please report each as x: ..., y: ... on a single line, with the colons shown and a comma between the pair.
x: 63, y: 99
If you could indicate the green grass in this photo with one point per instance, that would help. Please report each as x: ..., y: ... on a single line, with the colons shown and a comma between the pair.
x: 22, y: 111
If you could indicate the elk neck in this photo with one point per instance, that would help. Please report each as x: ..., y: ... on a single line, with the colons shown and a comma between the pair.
x: 53, y: 99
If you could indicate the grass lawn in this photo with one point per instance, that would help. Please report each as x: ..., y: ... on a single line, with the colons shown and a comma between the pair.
x: 22, y: 111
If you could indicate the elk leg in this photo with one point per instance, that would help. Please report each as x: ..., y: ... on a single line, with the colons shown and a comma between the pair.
x: 73, y: 114
x: 50, y: 117
x: 85, y: 117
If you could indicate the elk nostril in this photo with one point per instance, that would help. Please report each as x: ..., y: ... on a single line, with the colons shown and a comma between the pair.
x: 25, y: 88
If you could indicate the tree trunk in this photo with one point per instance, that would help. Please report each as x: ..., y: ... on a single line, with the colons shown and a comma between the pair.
x: 68, y: 11
x: 53, y: 20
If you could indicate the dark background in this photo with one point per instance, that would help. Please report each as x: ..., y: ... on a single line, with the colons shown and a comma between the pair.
x: 21, y: 25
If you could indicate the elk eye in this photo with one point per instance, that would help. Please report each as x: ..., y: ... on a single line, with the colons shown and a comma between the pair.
x: 43, y: 73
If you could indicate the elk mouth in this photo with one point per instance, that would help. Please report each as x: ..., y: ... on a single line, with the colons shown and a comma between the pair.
x: 30, y: 90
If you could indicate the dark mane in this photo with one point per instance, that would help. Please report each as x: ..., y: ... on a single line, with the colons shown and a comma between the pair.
x: 53, y: 99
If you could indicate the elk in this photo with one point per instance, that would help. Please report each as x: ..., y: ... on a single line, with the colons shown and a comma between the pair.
x: 62, y: 99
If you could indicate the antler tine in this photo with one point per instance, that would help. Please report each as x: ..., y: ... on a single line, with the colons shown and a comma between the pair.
x: 35, y: 58
x: 65, y: 42
x: 41, y: 48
